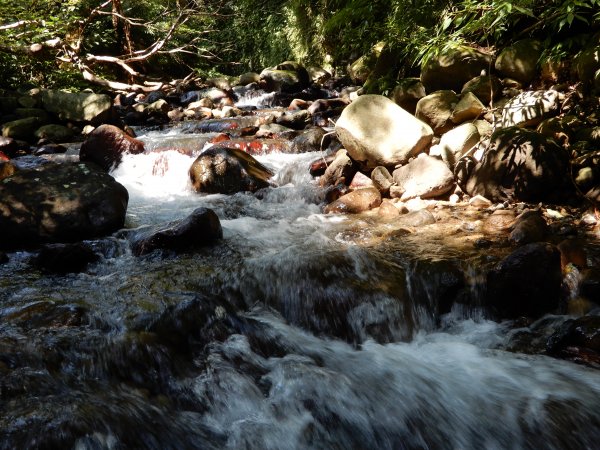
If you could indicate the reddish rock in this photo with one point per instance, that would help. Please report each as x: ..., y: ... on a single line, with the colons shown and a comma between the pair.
x: 360, y: 180
x: 355, y: 202
x: 3, y: 157
x: 319, y: 166
x: 106, y: 145
x: 257, y: 146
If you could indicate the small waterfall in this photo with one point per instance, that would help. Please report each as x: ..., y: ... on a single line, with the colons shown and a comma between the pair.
x: 256, y: 98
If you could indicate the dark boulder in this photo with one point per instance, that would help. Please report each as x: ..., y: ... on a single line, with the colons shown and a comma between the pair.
x: 8, y: 146
x: 529, y: 227
x: 200, y: 228
x: 526, y: 283
x: 65, y: 258
x: 59, y: 203
x: 221, y: 170
x: 313, y: 139
x: 578, y: 340
x: 106, y: 145
x: 520, y: 165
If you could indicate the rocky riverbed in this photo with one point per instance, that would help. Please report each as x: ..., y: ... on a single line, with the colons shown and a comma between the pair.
x: 213, y: 236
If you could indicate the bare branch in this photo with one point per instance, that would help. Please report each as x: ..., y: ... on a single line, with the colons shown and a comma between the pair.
x: 93, y: 78
x: 20, y: 23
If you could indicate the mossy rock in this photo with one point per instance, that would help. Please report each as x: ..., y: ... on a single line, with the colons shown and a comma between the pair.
x: 54, y: 132
x: 21, y: 128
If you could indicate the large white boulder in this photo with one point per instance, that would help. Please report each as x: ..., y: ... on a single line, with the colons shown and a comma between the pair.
x: 377, y: 132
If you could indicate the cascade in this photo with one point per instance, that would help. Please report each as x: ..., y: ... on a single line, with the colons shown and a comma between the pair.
x: 297, y: 331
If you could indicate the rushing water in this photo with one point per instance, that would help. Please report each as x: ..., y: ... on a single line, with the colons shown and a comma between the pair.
x: 297, y: 331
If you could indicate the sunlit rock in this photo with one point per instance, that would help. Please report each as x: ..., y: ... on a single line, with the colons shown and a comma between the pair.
x: 455, y: 143
x: 377, y: 132
x: 355, y: 202
x: 340, y: 170
x: 530, y: 108
x: 81, y: 107
x: 227, y: 171
x: 468, y: 108
x: 424, y: 177
x: 436, y: 110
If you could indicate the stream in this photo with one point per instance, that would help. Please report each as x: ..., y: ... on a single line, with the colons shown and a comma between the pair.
x: 297, y: 331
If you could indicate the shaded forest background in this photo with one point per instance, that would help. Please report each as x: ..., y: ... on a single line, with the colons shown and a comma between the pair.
x: 51, y: 43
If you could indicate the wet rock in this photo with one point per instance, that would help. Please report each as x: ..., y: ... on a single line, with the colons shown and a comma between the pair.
x: 256, y: 146
x: 296, y: 120
x: 227, y: 171
x: 387, y: 210
x: 322, y: 105
x: 270, y: 130
x: 318, y: 167
x: 3, y: 258
x: 424, y: 177
x: 479, y: 202
x: 286, y: 77
x: 573, y: 252
x: 355, y: 202
x: 436, y: 110
x: 519, y: 60
x: 500, y: 220
x: 65, y: 258
x: 81, y: 107
x: 335, y: 192
x: 59, y: 203
x: 199, y: 229
x: 50, y: 149
x: 248, y: 77
x: 530, y: 108
x: 526, y: 283
x: 417, y: 218
x: 577, y: 340
x: 529, y: 227
x: 106, y: 145
x: 522, y: 165
x: 453, y: 68
x: 377, y: 132
x: 312, y: 140
x: 340, y: 170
